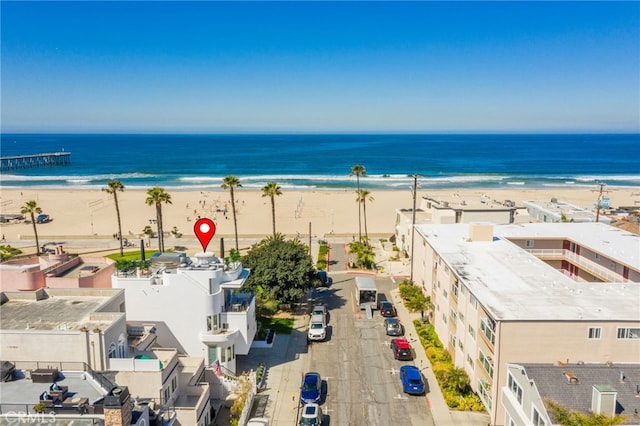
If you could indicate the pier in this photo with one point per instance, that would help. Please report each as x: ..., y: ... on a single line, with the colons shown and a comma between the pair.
x: 36, y: 160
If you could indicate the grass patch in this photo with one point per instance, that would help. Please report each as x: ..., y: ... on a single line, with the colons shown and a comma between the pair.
x: 132, y: 255
x: 279, y: 325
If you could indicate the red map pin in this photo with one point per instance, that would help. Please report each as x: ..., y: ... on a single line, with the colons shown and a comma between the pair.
x: 204, y: 230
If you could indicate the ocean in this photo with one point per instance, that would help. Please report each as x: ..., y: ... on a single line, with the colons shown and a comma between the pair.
x: 200, y: 162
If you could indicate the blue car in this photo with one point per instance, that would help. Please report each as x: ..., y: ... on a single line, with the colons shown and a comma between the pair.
x: 412, y: 382
x: 311, y: 388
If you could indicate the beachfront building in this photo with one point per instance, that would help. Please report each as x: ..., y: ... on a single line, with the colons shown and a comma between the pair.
x: 81, y: 327
x: 455, y: 209
x: 555, y: 211
x: 56, y: 269
x: 171, y: 385
x: 524, y: 293
x: 194, y: 306
x: 606, y: 389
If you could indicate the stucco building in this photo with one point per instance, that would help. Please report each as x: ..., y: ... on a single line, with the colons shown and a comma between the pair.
x: 525, y: 293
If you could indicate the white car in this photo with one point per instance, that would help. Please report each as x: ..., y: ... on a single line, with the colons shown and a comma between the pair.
x: 258, y: 421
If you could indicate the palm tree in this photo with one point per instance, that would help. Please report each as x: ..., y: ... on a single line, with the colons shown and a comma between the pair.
x: 112, y: 188
x: 363, y: 196
x: 156, y: 196
x: 229, y: 183
x: 31, y: 207
x: 358, y: 171
x: 270, y: 190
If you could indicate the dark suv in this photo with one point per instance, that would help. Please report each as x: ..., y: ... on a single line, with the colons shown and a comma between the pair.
x: 401, y: 349
x: 387, y: 309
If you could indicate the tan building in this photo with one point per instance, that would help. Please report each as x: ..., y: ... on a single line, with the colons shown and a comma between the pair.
x: 530, y: 293
x: 85, y: 326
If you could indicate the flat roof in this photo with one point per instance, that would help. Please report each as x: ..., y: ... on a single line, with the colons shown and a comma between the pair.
x: 513, y: 284
x: 24, y: 391
x: 59, y: 311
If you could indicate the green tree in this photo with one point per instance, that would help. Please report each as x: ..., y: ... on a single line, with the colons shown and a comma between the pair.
x: 358, y: 171
x: 7, y: 252
x: 457, y: 379
x: 272, y: 190
x: 281, y: 269
x: 31, y: 208
x: 112, y: 188
x: 363, y: 197
x: 365, y: 257
x: 155, y: 197
x: 418, y: 302
x: 229, y: 183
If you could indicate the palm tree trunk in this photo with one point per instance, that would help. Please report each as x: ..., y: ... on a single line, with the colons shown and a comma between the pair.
x: 159, y: 220
x: 35, y: 233
x: 235, y: 222
x: 273, y: 214
x: 115, y: 200
x: 364, y: 213
x: 359, y: 210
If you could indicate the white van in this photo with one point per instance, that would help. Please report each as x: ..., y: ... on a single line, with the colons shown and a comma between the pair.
x: 317, y: 328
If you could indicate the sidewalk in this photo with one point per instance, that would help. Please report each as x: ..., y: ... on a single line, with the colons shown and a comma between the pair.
x: 442, y: 415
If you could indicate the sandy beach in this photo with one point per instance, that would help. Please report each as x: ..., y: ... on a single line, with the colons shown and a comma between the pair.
x: 91, y: 213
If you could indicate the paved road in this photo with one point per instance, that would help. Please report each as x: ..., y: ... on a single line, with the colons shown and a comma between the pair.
x: 362, y: 382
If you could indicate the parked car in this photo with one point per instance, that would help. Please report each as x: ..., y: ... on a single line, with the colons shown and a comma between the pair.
x: 393, y: 327
x: 401, y: 349
x: 311, y: 388
x: 311, y: 415
x: 319, y: 309
x: 258, y: 421
x: 412, y: 382
x: 325, y: 279
x: 43, y: 218
x: 387, y: 309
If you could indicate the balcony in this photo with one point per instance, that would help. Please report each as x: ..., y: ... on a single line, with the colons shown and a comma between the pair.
x: 220, y: 335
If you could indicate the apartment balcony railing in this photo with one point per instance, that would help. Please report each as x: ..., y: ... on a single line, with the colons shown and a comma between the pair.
x: 587, y: 265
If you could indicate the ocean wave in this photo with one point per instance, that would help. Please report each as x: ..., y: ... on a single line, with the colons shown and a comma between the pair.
x: 90, y: 178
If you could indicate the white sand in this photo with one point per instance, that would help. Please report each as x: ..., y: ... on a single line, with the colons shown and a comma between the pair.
x: 82, y: 213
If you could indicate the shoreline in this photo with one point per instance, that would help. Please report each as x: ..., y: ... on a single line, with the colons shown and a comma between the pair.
x: 90, y: 213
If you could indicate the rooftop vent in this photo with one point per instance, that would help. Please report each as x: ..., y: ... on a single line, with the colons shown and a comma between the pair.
x: 572, y: 379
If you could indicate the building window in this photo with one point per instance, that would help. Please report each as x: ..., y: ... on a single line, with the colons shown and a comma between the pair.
x: 528, y: 243
x: 444, y: 318
x: 445, y: 293
x: 515, y: 389
x: 472, y: 332
x: 487, y: 363
x: 460, y: 345
x: 594, y: 332
x: 112, y: 350
x: 167, y: 394
x: 213, y: 354
x: 629, y: 333
x: 454, y: 288
x: 461, y: 317
x: 454, y: 315
x: 452, y: 339
x: 174, y: 384
x: 536, y: 418
x: 473, y: 301
x: 470, y: 361
x: 487, y: 327
x: 463, y: 290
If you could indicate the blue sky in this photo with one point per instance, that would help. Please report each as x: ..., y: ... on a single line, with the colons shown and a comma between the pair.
x: 320, y: 67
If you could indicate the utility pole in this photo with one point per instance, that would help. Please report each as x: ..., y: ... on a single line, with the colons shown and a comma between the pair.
x: 599, y: 202
x: 413, y: 220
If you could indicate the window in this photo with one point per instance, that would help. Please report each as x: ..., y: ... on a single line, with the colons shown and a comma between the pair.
x: 445, y: 293
x: 454, y: 288
x: 461, y: 317
x: 487, y: 330
x: 463, y: 290
x: 444, y: 318
x: 487, y: 363
x: 629, y: 333
x: 515, y: 388
x: 452, y: 339
x: 174, y: 384
x: 528, y: 243
x: 454, y: 315
x: 473, y: 301
x: 470, y: 361
x: 167, y: 394
x: 536, y: 418
x: 112, y: 350
x: 460, y: 345
x: 472, y: 332
x: 594, y: 332
x: 213, y: 354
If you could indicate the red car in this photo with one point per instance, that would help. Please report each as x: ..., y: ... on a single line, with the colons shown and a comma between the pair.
x: 401, y: 349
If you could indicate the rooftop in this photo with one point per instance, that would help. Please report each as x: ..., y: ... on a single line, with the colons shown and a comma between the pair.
x: 551, y: 382
x: 513, y: 284
x: 57, y: 309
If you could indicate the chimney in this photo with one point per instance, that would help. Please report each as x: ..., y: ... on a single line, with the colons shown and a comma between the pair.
x: 118, y: 407
x: 603, y: 400
x: 480, y: 232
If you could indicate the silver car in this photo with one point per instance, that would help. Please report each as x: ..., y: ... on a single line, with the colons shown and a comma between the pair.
x: 393, y: 327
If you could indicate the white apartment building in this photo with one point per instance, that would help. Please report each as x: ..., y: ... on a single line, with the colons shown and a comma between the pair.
x: 194, y: 305
x: 530, y: 293
x: 454, y: 209
x: 557, y: 211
